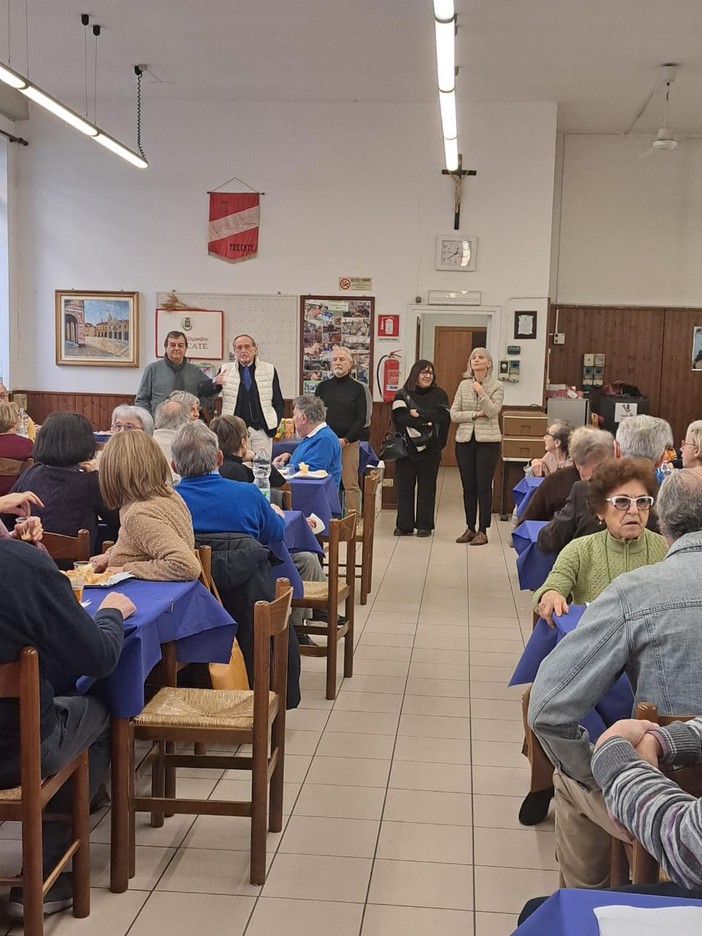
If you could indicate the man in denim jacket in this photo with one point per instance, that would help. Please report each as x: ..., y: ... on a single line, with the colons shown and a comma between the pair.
x: 647, y: 623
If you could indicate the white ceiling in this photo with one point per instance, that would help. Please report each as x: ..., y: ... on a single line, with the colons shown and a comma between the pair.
x: 597, y: 58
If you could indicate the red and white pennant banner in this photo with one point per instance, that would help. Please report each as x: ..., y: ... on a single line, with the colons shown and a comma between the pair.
x: 233, y: 230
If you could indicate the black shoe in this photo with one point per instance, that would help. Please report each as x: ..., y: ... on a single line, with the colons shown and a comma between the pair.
x: 59, y: 897
x: 305, y: 640
x: 424, y: 532
x: 534, y: 809
x: 322, y: 617
x: 101, y: 800
x: 399, y: 532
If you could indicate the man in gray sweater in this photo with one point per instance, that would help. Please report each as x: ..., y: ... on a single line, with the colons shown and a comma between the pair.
x: 174, y: 372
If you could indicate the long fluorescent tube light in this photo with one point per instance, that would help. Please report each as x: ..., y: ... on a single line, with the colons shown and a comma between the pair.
x: 447, y: 105
x: 444, y: 10
x: 445, y: 55
x: 451, y: 154
x: 34, y: 93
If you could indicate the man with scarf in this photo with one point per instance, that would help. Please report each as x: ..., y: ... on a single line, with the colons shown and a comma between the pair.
x: 174, y: 372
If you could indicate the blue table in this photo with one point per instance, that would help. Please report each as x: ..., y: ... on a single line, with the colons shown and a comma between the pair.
x: 183, y: 615
x: 570, y: 912
x: 618, y: 702
x: 523, y: 493
x: 316, y: 495
x: 366, y: 456
x: 533, y: 565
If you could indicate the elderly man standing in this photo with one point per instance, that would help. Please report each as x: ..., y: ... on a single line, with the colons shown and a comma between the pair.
x: 646, y: 624
x: 320, y: 448
x: 174, y: 372
x: 251, y: 390
x: 345, y: 400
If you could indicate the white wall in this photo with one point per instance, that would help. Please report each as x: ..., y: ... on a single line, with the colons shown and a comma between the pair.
x: 630, y: 228
x: 350, y: 190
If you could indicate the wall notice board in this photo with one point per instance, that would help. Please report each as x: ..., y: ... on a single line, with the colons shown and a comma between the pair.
x: 271, y: 320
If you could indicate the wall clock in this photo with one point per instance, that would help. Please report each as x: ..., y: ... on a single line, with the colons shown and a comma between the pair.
x: 456, y: 252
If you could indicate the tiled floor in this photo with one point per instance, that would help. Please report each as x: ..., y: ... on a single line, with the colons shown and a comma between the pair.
x: 401, y: 796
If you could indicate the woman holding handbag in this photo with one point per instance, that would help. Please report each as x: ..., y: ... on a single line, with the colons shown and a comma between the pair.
x: 420, y: 412
x: 475, y: 408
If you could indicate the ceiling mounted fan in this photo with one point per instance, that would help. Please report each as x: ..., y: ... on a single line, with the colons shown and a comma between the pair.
x: 665, y: 139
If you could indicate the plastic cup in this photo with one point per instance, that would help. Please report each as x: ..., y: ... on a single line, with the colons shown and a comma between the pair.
x: 77, y: 585
x: 82, y: 566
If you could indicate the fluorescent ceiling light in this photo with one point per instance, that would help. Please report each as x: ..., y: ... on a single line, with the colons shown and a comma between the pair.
x: 12, y: 78
x: 447, y: 104
x: 15, y: 80
x: 55, y: 107
x: 451, y: 154
x: 111, y: 144
x: 445, y: 56
x: 444, y: 10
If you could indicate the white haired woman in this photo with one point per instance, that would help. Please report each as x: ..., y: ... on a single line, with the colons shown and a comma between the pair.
x: 476, y: 408
x: 691, y: 445
x: 125, y: 417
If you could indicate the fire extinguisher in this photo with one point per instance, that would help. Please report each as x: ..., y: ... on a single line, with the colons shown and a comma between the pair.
x: 389, y: 383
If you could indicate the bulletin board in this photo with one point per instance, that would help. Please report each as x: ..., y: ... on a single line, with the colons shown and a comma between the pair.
x: 330, y: 321
x: 271, y: 320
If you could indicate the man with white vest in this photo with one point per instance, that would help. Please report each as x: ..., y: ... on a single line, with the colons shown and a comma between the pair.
x: 251, y: 390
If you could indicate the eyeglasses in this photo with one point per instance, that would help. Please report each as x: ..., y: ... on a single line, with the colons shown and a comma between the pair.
x: 549, y: 435
x: 427, y: 373
x: 624, y: 502
x: 685, y: 442
x: 123, y: 427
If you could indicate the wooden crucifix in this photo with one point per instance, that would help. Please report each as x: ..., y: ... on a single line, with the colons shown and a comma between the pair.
x: 458, y: 175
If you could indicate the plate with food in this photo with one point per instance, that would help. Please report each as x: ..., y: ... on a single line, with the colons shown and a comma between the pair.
x: 93, y: 579
x: 304, y: 472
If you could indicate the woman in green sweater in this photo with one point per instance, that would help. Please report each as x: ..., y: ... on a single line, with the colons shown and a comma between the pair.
x: 621, y: 493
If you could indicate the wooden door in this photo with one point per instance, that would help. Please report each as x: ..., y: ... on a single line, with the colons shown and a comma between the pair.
x: 452, y: 348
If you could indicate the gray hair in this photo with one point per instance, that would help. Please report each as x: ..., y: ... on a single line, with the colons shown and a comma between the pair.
x: 644, y: 437
x: 194, y: 450
x: 345, y: 351
x: 562, y: 433
x: 679, y: 504
x: 694, y: 434
x: 588, y: 443
x: 125, y: 411
x: 171, y: 414
x: 311, y: 407
x: 182, y: 396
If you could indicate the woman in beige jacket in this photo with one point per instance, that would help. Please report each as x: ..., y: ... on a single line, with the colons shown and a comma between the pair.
x: 475, y: 408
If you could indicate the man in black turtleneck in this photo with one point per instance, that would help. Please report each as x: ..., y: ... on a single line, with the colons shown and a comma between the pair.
x: 174, y: 372
x: 345, y: 399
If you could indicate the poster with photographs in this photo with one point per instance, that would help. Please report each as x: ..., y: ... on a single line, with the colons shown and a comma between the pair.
x: 328, y: 322
x: 697, y: 348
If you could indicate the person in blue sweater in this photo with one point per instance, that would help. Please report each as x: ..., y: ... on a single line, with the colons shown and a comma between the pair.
x: 320, y: 447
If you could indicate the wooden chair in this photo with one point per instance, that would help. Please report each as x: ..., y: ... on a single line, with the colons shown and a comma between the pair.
x: 68, y: 548
x: 26, y: 803
x: 287, y: 496
x: 12, y: 468
x: 216, y: 716
x: 231, y: 675
x: 365, y: 534
x: 632, y: 860
x: 326, y: 596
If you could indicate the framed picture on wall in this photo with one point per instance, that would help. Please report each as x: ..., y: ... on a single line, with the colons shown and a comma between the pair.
x: 97, y: 329
x: 327, y: 322
x: 524, y: 324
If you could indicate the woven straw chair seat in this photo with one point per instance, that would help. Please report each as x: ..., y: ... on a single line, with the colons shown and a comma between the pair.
x: 318, y: 591
x: 13, y: 795
x: 201, y: 708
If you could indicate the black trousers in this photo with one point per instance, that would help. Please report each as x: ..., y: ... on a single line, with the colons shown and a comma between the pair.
x: 421, y: 475
x: 476, y: 463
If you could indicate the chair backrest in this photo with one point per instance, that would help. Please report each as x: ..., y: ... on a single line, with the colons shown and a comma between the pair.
x: 271, y: 623
x: 287, y: 495
x: 370, y: 488
x: 20, y: 680
x: 14, y: 467
x: 76, y: 548
x: 204, y: 555
x: 341, y: 531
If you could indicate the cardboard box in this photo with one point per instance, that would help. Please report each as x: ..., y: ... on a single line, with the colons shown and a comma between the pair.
x: 524, y: 424
x: 526, y: 448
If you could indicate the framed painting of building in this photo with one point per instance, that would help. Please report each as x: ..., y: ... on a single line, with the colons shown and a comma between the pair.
x: 97, y: 329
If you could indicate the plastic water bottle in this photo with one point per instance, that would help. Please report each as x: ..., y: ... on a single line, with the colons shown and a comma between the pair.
x: 664, y: 470
x: 262, y: 473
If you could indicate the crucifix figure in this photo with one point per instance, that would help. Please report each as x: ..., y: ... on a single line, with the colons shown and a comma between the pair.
x: 458, y: 176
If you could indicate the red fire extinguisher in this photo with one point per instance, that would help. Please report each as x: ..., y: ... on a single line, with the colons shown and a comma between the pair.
x: 388, y: 375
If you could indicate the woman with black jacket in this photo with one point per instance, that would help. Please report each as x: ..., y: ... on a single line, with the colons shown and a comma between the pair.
x: 420, y: 411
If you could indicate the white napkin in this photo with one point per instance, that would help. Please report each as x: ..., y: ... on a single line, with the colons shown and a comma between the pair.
x: 649, y: 921
x: 318, y: 524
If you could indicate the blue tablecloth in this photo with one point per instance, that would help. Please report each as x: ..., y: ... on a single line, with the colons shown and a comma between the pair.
x: 316, y: 495
x: 533, y: 565
x: 366, y: 456
x: 570, y: 912
x: 185, y: 612
x: 618, y: 702
x: 298, y: 535
x: 523, y: 493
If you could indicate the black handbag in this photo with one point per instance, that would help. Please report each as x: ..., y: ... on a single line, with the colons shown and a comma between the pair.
x: 393, y: 447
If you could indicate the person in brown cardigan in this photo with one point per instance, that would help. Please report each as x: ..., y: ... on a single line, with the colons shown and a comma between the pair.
x: 156, y: 539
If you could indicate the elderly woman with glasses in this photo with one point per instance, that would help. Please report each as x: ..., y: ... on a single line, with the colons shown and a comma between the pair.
x: 127, y: 417
x: 555, y: 455
x: 691, y: 445
x: 621, y: 493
